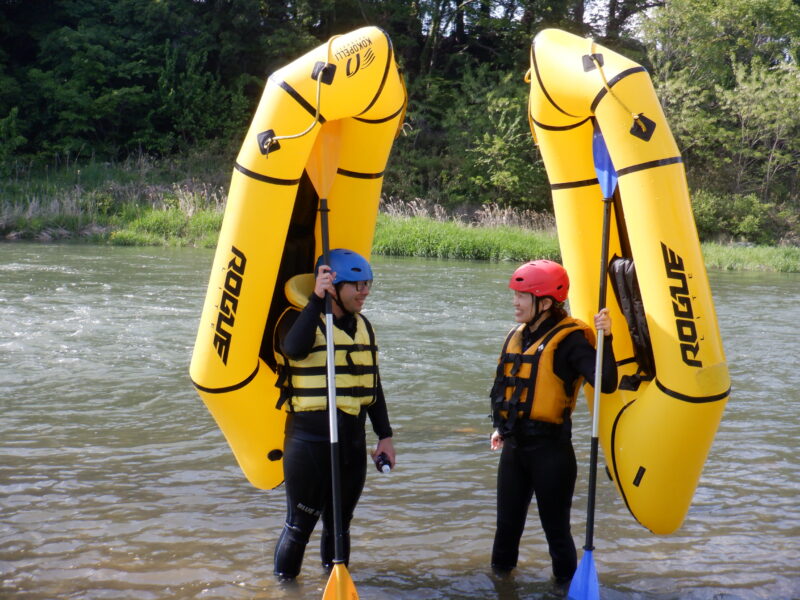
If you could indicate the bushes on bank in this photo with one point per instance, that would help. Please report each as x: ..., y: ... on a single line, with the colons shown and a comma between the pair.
x: 743, y: 218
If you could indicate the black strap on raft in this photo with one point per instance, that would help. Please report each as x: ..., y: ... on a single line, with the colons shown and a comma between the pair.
x: 629, y: 297
x: 521, y: 400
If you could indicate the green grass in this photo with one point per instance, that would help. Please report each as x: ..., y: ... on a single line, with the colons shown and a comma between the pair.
x: 423, y: 236
x: 752, y: 258
x: 170, y: 227
x: 419, y: 236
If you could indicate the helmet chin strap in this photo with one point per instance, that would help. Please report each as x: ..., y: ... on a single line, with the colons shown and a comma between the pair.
x: 536, y: 312
x: 339, y: 302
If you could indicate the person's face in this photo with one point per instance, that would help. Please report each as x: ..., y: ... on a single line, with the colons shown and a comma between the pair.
x: 353, y: 294
x: 523, y: 306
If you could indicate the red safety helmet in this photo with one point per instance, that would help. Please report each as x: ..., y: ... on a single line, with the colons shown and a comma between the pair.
x: 541, y: 278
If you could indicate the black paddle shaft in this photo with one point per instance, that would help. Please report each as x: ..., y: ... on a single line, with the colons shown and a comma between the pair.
x: 326, y: 245
x: 589, y: 543
x: 607, y: 202
x: 336, y: 487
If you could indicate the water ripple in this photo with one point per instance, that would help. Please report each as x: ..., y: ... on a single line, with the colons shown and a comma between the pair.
x: 117, y: 484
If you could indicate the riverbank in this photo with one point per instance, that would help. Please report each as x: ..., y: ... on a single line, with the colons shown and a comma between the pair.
x: 500, y: 235
x: 179, y: 202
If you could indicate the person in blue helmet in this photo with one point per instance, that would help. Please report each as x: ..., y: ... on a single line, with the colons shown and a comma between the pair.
x: 301, y: 355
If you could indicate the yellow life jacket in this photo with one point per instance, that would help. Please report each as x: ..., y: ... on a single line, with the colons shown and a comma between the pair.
x: 304, y: 382
x: 526, y: 385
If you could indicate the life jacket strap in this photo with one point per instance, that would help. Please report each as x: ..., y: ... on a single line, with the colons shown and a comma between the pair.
x: 284, y: 380
x: 353, y: 392
x: 284, y: 384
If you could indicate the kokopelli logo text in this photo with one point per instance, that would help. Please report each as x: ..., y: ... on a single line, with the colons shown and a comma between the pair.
x: 355, y: 63
x: 228, y: 303
x: 682, y: 307
x: 359, y: 56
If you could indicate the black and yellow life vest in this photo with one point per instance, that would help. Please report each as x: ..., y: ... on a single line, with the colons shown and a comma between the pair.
x: 526, y: 385
x: 304, y: 382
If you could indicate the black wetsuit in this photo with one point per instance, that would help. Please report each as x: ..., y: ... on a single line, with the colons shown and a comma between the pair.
x: 538, y: 458
x: 307, y: 452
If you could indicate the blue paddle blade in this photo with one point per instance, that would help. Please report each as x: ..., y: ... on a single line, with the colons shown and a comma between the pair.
x: 584, y: 584
x: 603, y: 166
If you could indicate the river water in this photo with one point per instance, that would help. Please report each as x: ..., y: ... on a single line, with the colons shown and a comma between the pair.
x: 115, y: 483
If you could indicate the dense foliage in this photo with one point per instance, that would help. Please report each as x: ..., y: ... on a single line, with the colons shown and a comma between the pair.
x: 101, y: 81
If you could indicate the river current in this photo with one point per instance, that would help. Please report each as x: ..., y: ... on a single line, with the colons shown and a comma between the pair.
x: 115, y: 482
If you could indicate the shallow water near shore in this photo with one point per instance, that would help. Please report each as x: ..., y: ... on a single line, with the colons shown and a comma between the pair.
x: 116, y: 483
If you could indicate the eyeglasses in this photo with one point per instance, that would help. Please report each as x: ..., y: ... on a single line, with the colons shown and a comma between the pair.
x: 362, y: 285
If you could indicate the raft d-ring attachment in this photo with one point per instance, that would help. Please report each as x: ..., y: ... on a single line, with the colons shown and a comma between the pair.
x: 643, y: 127
x: 527, y: 78
x: 323, y: 72
x: 267, y: 142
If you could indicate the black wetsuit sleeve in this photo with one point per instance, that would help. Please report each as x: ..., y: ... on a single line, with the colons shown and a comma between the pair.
x: 575, y: 356
x: 379, y: 413
x: 297, y: 335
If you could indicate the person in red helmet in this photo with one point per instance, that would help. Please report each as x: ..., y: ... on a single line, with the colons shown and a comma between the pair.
x: 543, y: 362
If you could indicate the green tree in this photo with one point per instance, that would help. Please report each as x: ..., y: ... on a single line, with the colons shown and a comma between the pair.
x: 89, y: 77
x: 726, y: 74
x: 10, y: 140
x: 500, y: 163
x: 94, y: 77
x: 765, y: 103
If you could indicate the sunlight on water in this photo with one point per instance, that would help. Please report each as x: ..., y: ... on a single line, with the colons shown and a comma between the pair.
x: 116, y: 483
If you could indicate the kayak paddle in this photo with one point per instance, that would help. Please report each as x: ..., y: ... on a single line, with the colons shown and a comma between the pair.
x: 340, y: 585
x: 322, y: 169
x: 585, y: 585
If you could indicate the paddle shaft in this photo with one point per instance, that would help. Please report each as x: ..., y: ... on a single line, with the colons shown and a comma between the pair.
x: 598, y: 378
x: 336, y: 492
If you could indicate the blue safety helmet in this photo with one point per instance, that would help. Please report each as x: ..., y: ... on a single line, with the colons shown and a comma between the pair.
x: 348, y: 266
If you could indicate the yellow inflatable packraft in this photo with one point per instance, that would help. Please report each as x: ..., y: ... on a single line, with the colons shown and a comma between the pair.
x: 657, y: 429
x: 324, y: 128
